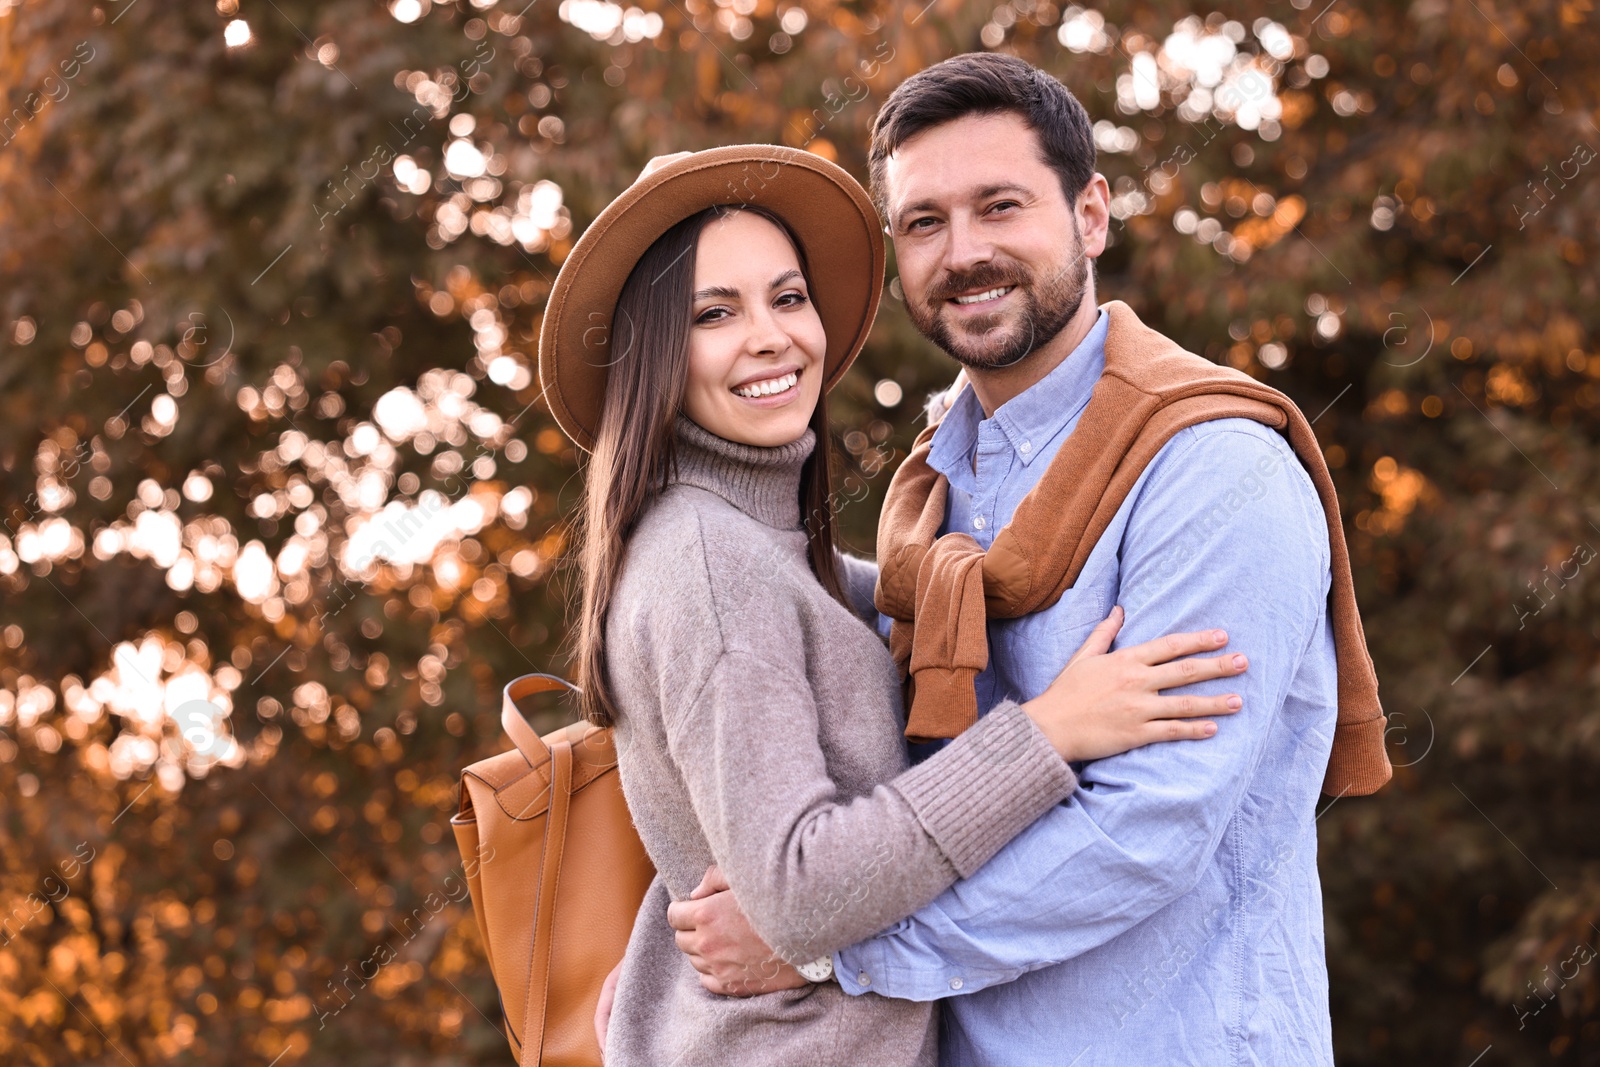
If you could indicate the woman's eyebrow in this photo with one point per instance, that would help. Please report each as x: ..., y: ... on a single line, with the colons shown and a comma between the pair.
x: 723, y: 292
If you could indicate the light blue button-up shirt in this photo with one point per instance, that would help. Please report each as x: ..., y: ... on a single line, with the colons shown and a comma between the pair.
x: 1169, y: 912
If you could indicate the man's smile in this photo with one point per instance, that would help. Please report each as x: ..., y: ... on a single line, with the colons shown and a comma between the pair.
x: 987, y: 296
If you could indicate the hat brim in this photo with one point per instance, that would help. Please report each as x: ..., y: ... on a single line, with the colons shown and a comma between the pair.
x: 831, y: 216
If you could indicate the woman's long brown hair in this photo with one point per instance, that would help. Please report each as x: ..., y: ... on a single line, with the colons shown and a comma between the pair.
x: 633, y: 451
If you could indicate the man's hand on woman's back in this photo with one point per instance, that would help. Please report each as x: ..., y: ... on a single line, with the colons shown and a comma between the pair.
x: 720, y: 943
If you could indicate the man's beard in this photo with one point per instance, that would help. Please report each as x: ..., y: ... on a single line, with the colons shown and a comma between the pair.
x: 1047, y: 307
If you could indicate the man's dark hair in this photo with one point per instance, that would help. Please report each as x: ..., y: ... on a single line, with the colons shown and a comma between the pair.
x: 986, y: 83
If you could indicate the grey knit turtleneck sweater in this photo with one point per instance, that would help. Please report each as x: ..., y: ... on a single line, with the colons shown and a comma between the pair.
x: 760, y: 729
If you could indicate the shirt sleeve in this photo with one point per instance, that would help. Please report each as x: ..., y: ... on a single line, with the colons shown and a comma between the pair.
x: 1226, y: 531
x: 811, y: 869
x: 861, y: 582
x: 860, y: 578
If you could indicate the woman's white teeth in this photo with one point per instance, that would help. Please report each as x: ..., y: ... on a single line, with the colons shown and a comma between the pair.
x: 989, y: 295
x: 768, y: 387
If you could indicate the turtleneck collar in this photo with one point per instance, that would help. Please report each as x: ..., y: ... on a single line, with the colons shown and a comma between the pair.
x: 763, y: 482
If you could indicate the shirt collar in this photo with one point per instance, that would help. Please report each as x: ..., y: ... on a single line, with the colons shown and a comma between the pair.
x: 1028, y: 420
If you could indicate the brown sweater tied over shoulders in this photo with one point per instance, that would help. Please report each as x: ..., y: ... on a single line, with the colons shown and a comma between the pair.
x: 941, y: 590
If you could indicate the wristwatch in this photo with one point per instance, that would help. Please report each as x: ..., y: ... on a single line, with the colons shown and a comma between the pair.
x: 818, y: 970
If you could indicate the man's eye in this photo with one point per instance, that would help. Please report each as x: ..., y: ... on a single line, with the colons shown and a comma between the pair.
x: 920, y: 224
x: 1002, y: 205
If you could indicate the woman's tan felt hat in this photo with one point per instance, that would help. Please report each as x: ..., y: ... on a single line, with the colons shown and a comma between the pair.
x: 831, y: 216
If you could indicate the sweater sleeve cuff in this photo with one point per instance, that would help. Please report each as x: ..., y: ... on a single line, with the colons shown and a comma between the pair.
x: 986, y: 786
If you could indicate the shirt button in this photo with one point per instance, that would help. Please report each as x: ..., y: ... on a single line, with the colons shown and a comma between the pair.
x: 1025, y: 447
x: 864, y: 978
x: 977, y: 523
x: 955, y: 983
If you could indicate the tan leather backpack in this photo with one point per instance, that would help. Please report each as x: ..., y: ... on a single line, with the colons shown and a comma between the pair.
x: 556, y: 872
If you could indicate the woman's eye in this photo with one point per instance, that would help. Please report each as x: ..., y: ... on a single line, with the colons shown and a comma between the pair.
x: 710, y: 315
x: 792, y: 299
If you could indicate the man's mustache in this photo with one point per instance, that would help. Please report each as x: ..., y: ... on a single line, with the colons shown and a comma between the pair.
x: 990, y: 276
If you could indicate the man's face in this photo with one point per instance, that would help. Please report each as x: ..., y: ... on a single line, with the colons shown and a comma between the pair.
x: 993, y: 259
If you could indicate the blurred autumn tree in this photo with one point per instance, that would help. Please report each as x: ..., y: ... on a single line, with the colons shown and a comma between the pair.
x: 282, y: 508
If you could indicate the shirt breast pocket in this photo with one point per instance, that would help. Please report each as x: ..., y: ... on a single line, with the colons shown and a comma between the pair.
x: 1036, y: 647
x: 1078, y: 611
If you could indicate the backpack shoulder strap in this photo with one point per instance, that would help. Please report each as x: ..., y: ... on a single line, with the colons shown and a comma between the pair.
x: 555, y: 839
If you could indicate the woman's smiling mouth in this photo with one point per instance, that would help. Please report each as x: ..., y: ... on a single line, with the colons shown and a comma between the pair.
x: 768, y: 387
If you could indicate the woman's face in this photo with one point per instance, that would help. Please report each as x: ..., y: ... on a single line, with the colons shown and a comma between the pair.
x: 756, y: 345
